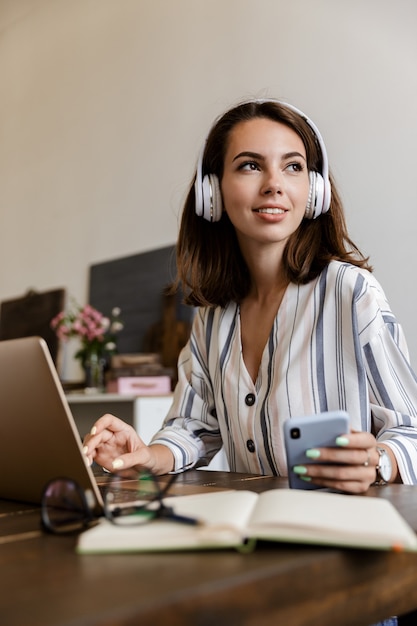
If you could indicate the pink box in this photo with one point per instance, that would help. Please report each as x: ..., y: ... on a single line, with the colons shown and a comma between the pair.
x: 140, y: 385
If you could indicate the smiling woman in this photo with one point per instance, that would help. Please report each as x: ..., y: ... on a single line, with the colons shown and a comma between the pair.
x: 265, y: 190
x: 301, y: 158
x: 291, y: 320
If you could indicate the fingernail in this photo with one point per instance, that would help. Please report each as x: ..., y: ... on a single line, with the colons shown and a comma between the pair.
x: 313, y: 453
x: 93, y: 431
x: 307, y: 479
x: 85, y: 449
x: 117, y: 464
x: 299, y: 469
x: 342, y: 441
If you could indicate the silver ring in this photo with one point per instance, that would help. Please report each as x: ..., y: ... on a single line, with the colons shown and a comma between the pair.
x: 366, y: 464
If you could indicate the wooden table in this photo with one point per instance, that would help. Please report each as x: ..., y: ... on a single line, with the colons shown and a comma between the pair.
x: 44, y: 582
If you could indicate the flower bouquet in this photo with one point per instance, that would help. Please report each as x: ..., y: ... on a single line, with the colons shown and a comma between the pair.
x: 97, y: 334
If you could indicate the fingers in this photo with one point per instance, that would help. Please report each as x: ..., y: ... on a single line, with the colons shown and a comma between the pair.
x: 107, y: 427
x: 349, y: 478
x: 108, y: 422
x: 348, y: 455
x: 109, y: 439
x: 140, y: 458
x: 349, y: 466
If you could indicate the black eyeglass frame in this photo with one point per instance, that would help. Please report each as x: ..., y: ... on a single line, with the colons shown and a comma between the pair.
x: 113, y: 512
x: 155, y: 506
x: 87, y: 514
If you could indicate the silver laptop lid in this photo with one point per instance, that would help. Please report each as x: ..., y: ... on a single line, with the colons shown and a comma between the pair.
x: 39, y: 440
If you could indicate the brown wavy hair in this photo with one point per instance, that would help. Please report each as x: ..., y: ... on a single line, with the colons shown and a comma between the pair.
x: 210, y: 265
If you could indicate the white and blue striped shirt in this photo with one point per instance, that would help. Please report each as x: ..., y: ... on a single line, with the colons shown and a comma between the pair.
x: 335, y: 344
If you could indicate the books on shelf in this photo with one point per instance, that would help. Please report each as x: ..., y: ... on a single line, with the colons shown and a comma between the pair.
x: 139, y: 374
x: 140, y: 364
x: 235, y: 519
x: 140, y: 385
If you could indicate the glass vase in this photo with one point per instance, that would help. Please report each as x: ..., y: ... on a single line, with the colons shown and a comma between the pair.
x: 94, y: 368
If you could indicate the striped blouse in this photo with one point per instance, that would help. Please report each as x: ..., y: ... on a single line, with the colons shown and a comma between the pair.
x: 334, y: 344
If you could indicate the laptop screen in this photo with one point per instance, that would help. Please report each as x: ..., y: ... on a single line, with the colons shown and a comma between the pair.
x: 39, y: 440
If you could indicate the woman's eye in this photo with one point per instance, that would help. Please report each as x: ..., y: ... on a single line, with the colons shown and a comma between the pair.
x: 295, y: 167
x: 249, y: 166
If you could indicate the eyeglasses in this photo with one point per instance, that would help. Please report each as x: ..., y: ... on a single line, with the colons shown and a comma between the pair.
x: 66, y: 507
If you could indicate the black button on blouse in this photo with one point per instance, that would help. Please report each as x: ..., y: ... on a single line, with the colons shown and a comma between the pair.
x: 250, y: 399
x: 250, y: 445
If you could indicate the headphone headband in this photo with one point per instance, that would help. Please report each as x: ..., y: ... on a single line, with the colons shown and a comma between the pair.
x: 208, y: 202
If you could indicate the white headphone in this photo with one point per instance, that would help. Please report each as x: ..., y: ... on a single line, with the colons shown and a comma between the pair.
x: 208, y: 199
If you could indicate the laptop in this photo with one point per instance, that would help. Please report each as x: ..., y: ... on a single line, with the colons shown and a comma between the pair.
x: 39, y: 440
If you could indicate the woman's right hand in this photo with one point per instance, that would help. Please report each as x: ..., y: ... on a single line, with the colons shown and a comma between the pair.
x: 116, y: 446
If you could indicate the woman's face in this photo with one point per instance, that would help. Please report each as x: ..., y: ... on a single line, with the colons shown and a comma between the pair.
x: 265, y: 181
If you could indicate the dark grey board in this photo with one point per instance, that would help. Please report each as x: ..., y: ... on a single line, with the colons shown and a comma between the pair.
x: 135, y: 284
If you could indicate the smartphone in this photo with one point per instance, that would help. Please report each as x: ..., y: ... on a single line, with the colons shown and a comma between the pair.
x: 311, y: 431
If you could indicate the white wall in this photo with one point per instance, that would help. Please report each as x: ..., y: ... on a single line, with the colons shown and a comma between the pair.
x: 104, y: 105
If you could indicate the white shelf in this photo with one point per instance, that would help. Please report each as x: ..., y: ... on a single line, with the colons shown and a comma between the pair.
x: 94, y: 398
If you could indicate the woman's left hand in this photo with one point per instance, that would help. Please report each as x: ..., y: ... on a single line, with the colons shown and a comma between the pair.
x: 350, y: 466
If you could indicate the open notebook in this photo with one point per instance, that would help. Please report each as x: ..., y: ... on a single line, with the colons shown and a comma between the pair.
x: 238, y: 519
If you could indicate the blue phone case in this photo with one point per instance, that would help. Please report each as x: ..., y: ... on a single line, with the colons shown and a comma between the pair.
x: 311, y: 431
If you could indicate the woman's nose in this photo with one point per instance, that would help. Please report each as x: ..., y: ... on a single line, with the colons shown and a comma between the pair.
x: 272, y: 185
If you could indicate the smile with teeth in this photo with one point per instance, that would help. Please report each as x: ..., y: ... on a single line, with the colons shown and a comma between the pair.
x: 274, y: 211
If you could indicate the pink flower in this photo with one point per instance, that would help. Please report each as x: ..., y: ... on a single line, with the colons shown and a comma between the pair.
x: 90, y: 326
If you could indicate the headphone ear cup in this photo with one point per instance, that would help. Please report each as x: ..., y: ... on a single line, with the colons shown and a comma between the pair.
x: 217, y: 201
x: 212, y: 198
x: 316, y: 197
x: 319, y: 203
x: 311, y: 200
x: 198, y: 193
